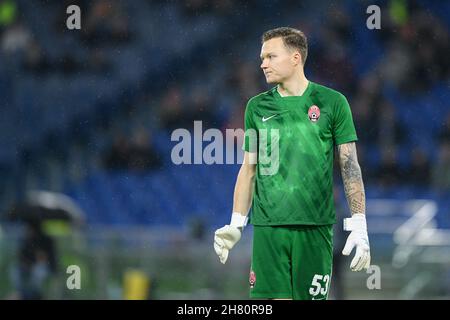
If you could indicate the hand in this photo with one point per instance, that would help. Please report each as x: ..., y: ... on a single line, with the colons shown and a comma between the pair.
x: 359, y: 238
x: 226, y: 237
x: 224, y: 240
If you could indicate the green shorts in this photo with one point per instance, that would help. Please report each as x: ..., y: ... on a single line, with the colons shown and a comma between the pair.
x: 291, y: 262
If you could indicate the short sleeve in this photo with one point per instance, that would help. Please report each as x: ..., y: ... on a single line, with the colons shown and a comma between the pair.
x: 250, y: 136
x: 343, y: 126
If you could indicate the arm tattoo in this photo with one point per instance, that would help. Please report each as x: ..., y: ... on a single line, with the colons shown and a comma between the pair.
x: 352, y: 178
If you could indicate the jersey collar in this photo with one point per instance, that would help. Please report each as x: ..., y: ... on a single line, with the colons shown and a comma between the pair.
x: 305, y: 94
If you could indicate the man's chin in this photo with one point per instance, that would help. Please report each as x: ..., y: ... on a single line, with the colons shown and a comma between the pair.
x: 271, y: 81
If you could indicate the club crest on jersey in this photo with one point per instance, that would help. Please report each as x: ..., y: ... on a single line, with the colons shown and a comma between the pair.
x: 252, y: 279
x: 314, y: 113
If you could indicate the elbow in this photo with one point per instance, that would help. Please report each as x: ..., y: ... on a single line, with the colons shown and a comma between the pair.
x: 248, y: 172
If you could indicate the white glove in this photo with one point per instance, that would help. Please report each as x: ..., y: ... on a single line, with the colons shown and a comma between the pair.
x: 226, y: 237
x: 359, y: 238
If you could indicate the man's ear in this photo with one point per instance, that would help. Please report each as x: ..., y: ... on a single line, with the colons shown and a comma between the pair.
x: 297, y: 58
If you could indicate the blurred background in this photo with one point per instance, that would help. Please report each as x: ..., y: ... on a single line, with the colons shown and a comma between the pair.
x: 85, y: 133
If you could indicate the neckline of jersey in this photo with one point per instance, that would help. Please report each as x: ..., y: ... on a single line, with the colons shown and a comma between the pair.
x: 303, y: 96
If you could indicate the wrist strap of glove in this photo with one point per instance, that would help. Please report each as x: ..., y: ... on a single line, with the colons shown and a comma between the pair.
x: 356, y: 222
x: 238, y: 220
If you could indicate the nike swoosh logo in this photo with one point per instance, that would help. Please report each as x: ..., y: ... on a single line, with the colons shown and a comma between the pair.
x: 264, y: 119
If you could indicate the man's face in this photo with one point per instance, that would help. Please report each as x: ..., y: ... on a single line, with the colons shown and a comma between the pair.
x: 277, y: 61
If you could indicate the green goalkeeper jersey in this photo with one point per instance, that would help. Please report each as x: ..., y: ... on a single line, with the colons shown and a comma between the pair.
x: 294, y: 138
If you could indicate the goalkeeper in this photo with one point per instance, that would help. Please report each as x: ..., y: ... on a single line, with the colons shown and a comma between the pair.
x: 296, y: 126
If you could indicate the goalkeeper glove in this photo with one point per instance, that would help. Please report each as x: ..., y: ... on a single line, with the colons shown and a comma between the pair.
x: 359, y: 238
x: 226, y: 237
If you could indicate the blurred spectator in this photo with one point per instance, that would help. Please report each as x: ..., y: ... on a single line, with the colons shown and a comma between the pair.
x: 173, y: 113
x: 223, y: 7
x: 201, y: 108
x: 137, y: 154
x: 68, y: 64
x: 35, y: 60
x: 415, y: 59
x: 37, y: 263
x: 419, y: 172
x: 367, y: 170
x: 441, y: 171
x: 8, y: 13
x: 196, y: 7
x: 244, y: 79
x: 236, y: 116
x: 117, y: 156
x: 179, y: 111
x: 390, y: 130
x: 98, y: 62
x: 364, y: 118
x: 388, y: 171
x: 339, y: 24
x: 16, y: 39
x: 106, y: 23
x: 444, y: 134
x: 331, y: 61
x: 142, y: 155
x: 333, y: 65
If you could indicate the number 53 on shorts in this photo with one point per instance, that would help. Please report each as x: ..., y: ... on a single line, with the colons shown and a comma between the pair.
x: 319, y: 287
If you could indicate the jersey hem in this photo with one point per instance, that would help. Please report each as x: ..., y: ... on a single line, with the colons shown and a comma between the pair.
x: 271, y: 295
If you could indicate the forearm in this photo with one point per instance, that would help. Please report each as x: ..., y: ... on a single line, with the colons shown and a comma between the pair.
x: 354, y: 191
x: 226, y: 237
x: 352, y: 178
x: 243, y: 191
